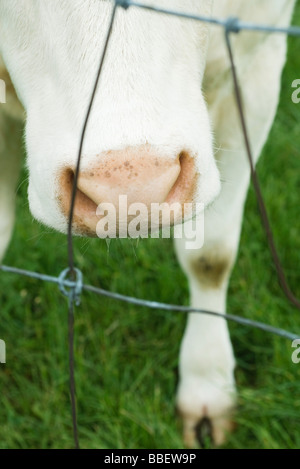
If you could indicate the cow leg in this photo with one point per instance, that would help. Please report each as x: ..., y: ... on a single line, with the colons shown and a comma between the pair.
x: 10, y: 144
x: 206, y: 387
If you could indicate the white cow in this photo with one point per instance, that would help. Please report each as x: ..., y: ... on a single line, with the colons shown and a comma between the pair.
x: 164, y: 128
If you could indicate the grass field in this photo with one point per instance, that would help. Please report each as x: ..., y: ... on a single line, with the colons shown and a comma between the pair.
x: 126, y: 357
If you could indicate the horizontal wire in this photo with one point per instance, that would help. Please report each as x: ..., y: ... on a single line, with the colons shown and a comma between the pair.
x: 231, y: 24
x: 153, y: 304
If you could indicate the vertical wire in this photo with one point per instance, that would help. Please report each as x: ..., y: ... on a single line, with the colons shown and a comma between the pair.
x: 70, y: 235
x: 83, y: 133
x: 255, y: 180
x: 72, y: 371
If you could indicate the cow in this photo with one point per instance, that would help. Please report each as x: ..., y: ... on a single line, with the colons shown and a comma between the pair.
x: 163, y: 129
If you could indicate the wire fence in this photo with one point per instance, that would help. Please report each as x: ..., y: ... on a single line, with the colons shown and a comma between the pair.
x: 70, y: 281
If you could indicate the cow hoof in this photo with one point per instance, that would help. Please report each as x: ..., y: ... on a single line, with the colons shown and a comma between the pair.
x: 207, y: 413
x: 206, y: 432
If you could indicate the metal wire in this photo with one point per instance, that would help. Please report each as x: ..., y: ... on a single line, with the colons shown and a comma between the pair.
x: 232, y: 26
x: 72, y: 287
x: 150, y: 304
x: 256, y: 184
x: 82, y: 138
x: 72, y: 269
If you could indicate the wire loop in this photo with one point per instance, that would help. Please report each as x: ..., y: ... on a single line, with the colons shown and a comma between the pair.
x: 123, y: 4
x: 232, y: 25
x: 73, y: 291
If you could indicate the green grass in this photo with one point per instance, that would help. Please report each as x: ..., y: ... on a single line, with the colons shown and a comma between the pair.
x: 126, y: 357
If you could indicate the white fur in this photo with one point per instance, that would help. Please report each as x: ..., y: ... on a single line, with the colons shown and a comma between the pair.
x: 150, y: 92
x: 146, y: 102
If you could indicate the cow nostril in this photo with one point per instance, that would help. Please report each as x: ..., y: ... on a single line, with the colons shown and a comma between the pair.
x: 186, y: 181
x: 83, y: 203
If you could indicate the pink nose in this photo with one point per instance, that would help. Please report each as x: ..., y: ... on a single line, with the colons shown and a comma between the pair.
x: 137, y: 173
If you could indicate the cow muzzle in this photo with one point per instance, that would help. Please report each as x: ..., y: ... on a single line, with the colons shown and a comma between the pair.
x: 136, y: 187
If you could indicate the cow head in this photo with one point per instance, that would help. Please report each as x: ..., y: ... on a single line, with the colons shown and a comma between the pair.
x: 149, y: 135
